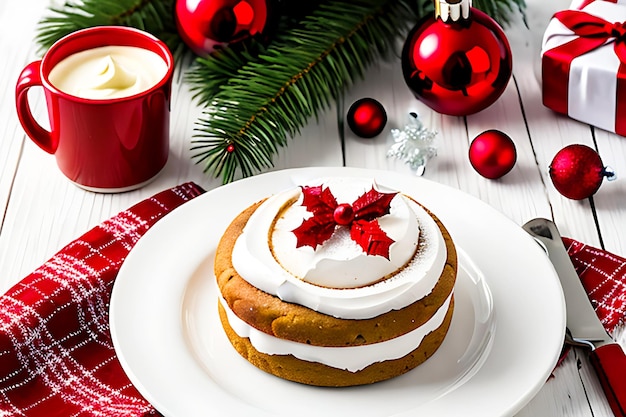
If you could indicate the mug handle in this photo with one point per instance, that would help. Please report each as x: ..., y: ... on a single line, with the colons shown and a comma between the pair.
x: 30, y: 77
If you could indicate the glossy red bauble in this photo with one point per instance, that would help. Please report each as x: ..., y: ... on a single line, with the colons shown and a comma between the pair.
x: 207, y: 25
x: 457, y: 68
x: 367, y: 117
x: 492, y: 154
x: 577, y: 171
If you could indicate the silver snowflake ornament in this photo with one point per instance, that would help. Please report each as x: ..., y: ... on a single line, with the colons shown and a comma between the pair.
x: 414, y: 145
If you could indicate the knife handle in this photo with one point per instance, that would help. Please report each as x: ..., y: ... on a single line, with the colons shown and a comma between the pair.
x: 609, y: 361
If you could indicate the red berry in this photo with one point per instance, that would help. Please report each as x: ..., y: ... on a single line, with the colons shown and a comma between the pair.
x: 343, y: 214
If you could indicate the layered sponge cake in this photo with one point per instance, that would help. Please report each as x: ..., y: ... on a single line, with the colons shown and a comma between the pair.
x: 338, y: 282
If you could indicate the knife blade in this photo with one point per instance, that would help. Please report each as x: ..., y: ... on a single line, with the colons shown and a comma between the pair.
x: 583, y: 325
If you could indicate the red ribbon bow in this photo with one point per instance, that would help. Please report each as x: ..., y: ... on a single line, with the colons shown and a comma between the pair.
x: 592, y: 32
x: 360, y: 217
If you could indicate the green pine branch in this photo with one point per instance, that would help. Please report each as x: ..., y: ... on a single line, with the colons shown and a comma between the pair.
x: 273, y: 95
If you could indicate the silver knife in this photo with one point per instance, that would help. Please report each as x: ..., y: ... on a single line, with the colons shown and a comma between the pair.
x: 583, y: 325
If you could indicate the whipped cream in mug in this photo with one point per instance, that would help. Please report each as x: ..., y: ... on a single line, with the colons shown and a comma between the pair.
x: 108, y: 72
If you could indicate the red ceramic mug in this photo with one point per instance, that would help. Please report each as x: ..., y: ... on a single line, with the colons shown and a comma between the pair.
x: 103, y: 143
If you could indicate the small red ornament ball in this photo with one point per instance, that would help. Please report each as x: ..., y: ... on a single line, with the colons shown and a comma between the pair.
x: 207, y: 25
x: 492, y: 154
x: 367, y: 117
x: 577, y: 171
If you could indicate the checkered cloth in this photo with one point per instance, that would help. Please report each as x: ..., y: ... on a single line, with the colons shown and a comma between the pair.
x: 56, y: 354
x: 604, y: 277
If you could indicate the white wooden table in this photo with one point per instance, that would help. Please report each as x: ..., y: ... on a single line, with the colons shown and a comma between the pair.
x: 41, y: 210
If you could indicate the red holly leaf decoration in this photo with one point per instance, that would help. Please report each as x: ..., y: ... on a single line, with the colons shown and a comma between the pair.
x: 371, y: 238
x: 318, y: 200
x: 312, y: 232
x: 372, y: 204
x: 363, y: 223
x: 318, y: 228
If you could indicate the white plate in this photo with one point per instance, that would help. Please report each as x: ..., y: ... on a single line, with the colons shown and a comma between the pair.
x: 501, y: 348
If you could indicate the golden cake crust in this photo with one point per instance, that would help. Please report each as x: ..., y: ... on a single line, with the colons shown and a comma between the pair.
x: 311, y: 373
x: 284, y: 320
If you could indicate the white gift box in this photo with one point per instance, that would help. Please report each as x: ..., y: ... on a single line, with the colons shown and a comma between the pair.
x: 585, y: 85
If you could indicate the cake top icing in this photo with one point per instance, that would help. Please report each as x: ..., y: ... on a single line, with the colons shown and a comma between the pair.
x: 338, y: 277
x: 317, y: 242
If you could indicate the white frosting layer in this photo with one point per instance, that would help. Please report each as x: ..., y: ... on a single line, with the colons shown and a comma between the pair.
x: 340, y: 262
x: 353, y: 358
x: 108, y: 72
x: 255, y: 263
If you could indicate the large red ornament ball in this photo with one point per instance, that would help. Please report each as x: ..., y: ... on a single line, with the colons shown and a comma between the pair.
x: 492, y: 154
x: 457, y: 68
x: 207, y: 25
x: 367, y: 117
x: 577, y: 171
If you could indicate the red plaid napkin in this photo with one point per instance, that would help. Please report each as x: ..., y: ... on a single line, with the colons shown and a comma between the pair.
x: 604, y: 277
x: 56, y: 354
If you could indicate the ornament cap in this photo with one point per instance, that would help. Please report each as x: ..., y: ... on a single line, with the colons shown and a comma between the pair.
x: 452, y: 10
